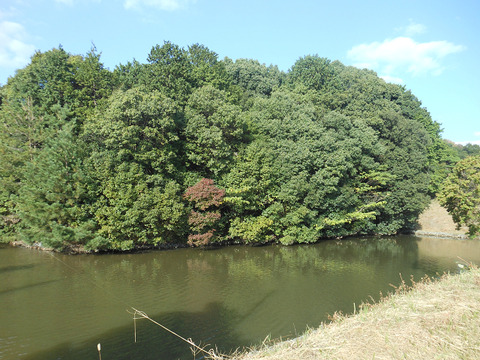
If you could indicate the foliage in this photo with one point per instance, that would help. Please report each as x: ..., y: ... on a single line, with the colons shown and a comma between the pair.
x: 313, y: 71
x: 53, y: 201
x: 23, y: 135
x: 255, y: 78
x: 92, y: 82
x: 134, y: 164
x: 100, y: 159
x: 169, y: 71
x: 460, y: 194
x: 47, y: 80
x: 206, y: 198
x: 464, y: 151
x: 214, y: 131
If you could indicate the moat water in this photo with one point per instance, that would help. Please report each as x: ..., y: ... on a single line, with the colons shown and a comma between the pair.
x: 55, y: 306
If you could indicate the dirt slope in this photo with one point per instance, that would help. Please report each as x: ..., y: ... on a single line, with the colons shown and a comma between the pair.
x: 435, y: 219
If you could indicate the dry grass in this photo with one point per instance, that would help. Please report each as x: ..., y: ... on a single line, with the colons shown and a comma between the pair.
x: 434, y: 320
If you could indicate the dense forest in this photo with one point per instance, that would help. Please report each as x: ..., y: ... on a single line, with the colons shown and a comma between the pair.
x: 190, y: 149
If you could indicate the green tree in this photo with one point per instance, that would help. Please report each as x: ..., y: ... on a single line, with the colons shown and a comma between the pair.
x: 206, y: 69
x: 403, y: 128
x: 326, y: 150
x: 92, y: 83
x: 214, y: 131
x: 134, y: 161
x: 464, y: 151
x: 406, y: 144
x: 313, y: 71
x: 460, y: 194
x: 36, y: 104
x: 48, y: 80
x: 23, y: 135
x: 169, y: 71
x: 257, y: 79
x: 304, y: 177
x: 57, y: 78
x: 55, y: 197
x: 129, y: 75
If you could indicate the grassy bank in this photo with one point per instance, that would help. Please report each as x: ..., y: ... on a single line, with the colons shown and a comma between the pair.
x: 434, y: 320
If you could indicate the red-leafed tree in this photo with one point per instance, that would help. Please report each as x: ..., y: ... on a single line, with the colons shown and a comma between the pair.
x: 206, y: 199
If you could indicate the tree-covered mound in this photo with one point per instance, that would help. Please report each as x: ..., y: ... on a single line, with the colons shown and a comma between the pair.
x: 190, y: 148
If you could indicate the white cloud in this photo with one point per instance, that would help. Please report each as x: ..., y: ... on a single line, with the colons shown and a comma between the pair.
x: 403, y: 54
x: 167, y: 5
x: 15, y: 52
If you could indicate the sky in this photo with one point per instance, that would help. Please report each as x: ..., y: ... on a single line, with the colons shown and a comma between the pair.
x: 430, y: 47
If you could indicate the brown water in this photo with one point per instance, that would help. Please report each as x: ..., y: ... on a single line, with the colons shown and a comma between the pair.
x: 60, y: 307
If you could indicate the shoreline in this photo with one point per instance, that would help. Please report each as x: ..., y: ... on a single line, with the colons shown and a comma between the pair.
x: 80, y: 251
x: 439, y: 234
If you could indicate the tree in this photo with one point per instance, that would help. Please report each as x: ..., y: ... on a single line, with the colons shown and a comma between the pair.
x: 56, y: 196
x: 48, y: 80
x: 313, y: 71
x: 206, y: 69
x: 406, y: 144
x: 169, y: 71
x: 92, y: 82
x: 258, y: 79
x: 23, y: 135
x: 460, y: 194
x: 304, y: 177
x: 129, y: 75
x: 464, y: 151
x: 206, y: 199
x: 135, y: 162
x: 326, y: 150
x: 215, y: 131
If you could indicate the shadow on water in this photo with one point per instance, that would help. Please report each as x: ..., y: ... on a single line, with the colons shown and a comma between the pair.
x: 15, y: 268
x: 25, y: 287
x: 153, y: 342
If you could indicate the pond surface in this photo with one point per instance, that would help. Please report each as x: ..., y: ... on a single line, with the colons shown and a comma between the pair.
x: 56, y: 306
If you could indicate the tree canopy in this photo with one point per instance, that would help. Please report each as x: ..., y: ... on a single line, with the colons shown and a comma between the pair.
x: 120, y: 159
x: 461, y: 194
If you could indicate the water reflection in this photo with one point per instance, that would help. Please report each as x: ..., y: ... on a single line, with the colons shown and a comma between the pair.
x: 228, y: 297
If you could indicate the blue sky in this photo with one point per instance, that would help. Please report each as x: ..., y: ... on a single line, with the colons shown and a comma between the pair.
x: 431, y: 47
